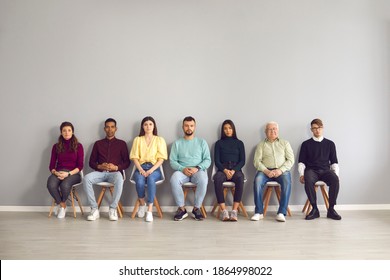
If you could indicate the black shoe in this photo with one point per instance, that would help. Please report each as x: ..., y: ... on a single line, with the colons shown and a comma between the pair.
x: 332, y: 214
x: 314, y: 213
x: 181, y: 214
x: 196, y: 214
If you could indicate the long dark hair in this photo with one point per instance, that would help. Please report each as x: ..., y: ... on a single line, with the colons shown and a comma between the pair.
x: 229, y: 122
x: 142, y: 131
x: 73, y: 141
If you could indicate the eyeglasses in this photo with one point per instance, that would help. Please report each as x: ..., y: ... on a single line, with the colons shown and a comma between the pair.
x: 316, y: 128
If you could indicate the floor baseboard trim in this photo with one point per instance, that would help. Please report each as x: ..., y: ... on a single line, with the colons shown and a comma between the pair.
x: 168, y: 209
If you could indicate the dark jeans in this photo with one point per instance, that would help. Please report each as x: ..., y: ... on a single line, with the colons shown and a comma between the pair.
x: 237, y: 179
x: 60, y: 189
x: 331, y: 180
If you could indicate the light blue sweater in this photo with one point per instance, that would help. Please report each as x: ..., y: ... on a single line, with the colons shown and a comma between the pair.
x: 190, y: 153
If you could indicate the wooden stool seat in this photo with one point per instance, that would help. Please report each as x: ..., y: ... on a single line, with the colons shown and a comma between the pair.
x: 191, y: 186
x: 307, y: 207
x: 269, y: 186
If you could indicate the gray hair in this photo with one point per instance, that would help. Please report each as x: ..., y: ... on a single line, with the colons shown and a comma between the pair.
x: 273, y: 123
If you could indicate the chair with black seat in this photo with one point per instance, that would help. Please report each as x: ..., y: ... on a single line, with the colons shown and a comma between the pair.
x: 73, y: 195
x: 155, y: 201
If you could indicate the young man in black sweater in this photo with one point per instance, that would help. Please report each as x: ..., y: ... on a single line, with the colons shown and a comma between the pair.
x: 318, y: 161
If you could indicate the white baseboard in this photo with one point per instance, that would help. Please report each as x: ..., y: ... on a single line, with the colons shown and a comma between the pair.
x: 168, y: 209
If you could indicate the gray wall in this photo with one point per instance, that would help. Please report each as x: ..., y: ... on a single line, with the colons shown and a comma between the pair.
x: 250, y: 61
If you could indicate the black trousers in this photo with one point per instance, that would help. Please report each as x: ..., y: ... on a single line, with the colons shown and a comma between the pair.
x: 237, y: 179
x: 331, y: 180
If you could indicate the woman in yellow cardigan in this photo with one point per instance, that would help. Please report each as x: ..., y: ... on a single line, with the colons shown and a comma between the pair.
x: 148, y: 153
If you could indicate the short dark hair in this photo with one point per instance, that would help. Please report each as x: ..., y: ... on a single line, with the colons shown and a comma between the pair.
x: 229, y: 122
x: 189, y: 119
x: 142, y: 131
x: 109, y: 120
x: 317, y: 122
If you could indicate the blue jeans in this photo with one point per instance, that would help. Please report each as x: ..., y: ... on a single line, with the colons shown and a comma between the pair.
x: 200, y: 179
x: 95, y: 177
x: 150, y: 181
x: 258, y: 187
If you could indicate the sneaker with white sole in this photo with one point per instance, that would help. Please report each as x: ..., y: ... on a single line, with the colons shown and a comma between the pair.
x: 149, y: 216
x: 233, y: 216
x: 57, y: 209
x: 141, y: 211
x: 180, y: 214
x: 93, y: 215
x: 61, y: 213
x: 257, y: 217
x: 112, y: 214
x: 280, y: 217
x: 225, y: 215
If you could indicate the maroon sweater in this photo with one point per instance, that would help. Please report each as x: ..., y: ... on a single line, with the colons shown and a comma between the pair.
x: 67, y: 160
x: 111, y: 151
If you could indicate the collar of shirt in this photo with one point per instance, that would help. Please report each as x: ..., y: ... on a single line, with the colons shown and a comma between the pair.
x: 267, y: 140
x: 318, y: 139
x: 110, y: 140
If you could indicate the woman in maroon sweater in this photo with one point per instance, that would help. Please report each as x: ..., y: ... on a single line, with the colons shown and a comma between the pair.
x: 67, y: 160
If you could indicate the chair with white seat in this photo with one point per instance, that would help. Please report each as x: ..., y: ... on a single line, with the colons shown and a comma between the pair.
x: 73, y: 195
x: 191, y: 186
x: 227, y: 186
x: 322, y: 185
x: 106, y: 185
x: 155, y: 201
x: 269, y: 186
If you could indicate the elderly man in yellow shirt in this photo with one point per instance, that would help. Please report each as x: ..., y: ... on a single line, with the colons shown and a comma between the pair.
x: 148, y: 153
x: 273, y: 160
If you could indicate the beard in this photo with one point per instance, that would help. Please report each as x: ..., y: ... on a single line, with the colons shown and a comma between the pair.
x: 188, y: 132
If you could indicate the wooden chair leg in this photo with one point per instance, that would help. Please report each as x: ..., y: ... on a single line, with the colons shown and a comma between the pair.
x: 157, y: 204
x: 267, y: 196
x: 241, y: 206
x: 101, y: 195
x: 203, y: 210
x: 72, y: 200
x: 214, y: 207
x: 305, y: 206
x: 79, y: 202
x: 135, y: 210
x: 53, y: 203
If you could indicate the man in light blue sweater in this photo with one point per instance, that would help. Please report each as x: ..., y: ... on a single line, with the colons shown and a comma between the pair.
x: 190, y: 158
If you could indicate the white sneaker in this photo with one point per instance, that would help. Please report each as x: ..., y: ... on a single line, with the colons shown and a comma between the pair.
x: 112, y: 214
x: 93, y: 215
x: 280, y: 217
x: 141, y: 211
x: 57, y: 209
x: 61, y: 213
x: 257, y: 217
x: 149, y: 216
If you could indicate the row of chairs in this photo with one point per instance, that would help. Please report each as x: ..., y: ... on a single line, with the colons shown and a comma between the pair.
x: 228, y: 187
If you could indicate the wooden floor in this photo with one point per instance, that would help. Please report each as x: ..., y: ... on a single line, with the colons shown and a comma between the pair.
x: 32, y: 235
